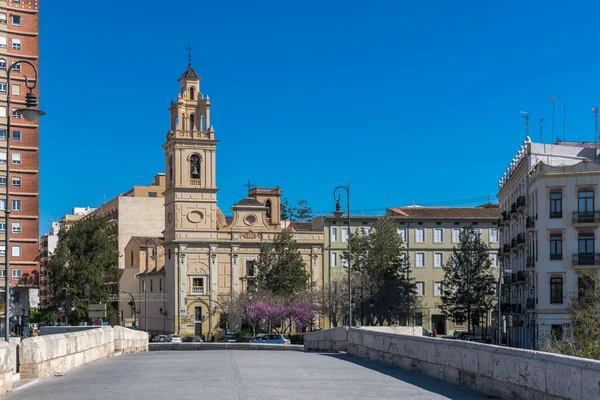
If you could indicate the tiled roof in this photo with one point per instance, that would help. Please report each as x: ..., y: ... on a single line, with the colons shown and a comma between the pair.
x: 445, y: 212
x: 249, y: 201
x: 142, y: 239
x: 190, y: 74
x: 301, y: 226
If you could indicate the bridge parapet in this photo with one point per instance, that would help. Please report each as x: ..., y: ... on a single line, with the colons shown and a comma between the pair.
x: 43, y: 356
x: 492, y: 370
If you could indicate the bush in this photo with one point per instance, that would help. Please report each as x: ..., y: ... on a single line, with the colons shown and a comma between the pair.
x: 297, y: 339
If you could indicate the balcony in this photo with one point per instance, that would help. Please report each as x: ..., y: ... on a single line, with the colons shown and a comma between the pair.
x: 505, y: 215
x: 520, y: 238
x: 521, y: 203
x: 507, y: 248
x: 521, y: 277
x: 586, y: 259
x: 530, y: 303
x: 500, y: 222
x: 513, y: 208
x: 586, y: 217
x: 556, y: 256
x: 505, y: 307
x: 513, y: 277
x: 530, y: 262
x: 555, y: 214
x: 507, y: 278
x: 530, y: 222
x: 513, y: 243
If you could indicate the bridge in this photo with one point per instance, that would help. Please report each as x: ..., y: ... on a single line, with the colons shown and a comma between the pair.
x: 240, y: 374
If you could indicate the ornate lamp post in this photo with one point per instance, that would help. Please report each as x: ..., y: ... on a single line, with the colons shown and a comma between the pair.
x: 30, y: 113
x: 336, y: 197
x: 153, y: 242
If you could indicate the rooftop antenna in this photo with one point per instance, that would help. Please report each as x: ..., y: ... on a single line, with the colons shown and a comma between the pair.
x: 525, y: 116
x: 564, y: 110
x: 553, y: 100
x: 541, y: 128
x: 141, y: 177
x: 595, y: 111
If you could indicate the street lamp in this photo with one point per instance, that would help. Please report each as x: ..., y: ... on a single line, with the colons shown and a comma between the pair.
x: 336, y: 197
x: 153, y: 242
x: 30, y: 113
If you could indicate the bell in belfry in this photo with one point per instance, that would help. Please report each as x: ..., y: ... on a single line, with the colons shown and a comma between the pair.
x: 194, y: 169
x: 195, y: 166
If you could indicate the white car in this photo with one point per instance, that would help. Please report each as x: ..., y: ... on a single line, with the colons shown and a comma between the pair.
x: 174, y: 339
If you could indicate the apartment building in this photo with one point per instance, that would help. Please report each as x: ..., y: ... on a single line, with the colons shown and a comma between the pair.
x: 48, y: 243
x: 429, y: 235
x: 548, y: 202
x: 19, y: 41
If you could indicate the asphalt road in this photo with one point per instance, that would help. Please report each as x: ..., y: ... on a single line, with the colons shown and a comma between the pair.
x: 233, y: 374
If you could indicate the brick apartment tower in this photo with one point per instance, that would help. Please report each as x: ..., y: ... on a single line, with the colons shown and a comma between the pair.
x: 19, y: 39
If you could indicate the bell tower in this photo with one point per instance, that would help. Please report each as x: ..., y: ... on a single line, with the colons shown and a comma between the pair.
x: 190, y: 156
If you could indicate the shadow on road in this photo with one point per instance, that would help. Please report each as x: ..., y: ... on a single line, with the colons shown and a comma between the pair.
x: 434, y: 385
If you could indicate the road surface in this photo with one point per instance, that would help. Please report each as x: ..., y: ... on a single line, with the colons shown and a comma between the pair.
x: 236, y: 374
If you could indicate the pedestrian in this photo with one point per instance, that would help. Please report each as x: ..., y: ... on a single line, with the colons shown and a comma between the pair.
x: 434, y: 333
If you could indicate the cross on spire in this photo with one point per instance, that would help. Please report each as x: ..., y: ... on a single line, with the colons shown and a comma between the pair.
x: 189, y: 49
x: 249, y: 185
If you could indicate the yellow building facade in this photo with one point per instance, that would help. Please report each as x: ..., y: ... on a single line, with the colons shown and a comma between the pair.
x: 429, y: 235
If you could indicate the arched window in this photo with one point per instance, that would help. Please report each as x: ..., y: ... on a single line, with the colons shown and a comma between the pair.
x: 171, y: 170
x: 195, y: 166
x: 191, y: 122
x: 268, y: 205
x: 2, y: 63
x: 192, y: 93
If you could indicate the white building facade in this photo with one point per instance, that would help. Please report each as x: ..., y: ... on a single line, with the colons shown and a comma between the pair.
x: 548, y: 223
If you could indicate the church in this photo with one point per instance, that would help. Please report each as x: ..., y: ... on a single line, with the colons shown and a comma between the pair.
x: 208, y: 257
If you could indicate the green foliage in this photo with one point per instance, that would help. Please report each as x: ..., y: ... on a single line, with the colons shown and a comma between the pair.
x: 285, y: 211
x: 469, y: 288
x: 84, y: 260
x: 385, y: 291
x: 281, y: 270
x: 583, y: 338
x: 40, y: 316
x: 302, y: 212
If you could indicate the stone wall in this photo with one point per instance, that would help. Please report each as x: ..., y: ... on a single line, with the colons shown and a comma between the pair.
x: 326, y: 340
x: 44, y: 356
x: 492, y: 370
x: 6, y: 369
x: 399, y: 330
x: 130, y: 341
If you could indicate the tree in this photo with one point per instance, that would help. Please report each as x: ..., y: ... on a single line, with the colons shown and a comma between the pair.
x: 583, y: 335
x: 332, y: 302
x: 84, y: 260
x: 385, y: 288
x: 302, y: 212
x: 469, y: 287
x: 40, y: 317
x: 281, y: 270
x: 285, y: 211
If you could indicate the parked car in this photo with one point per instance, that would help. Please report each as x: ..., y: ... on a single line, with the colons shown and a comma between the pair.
x: 192, y: 339
x: 274, y: 338
x: 160, y: 339
x: 475, y: 339
x: 228, y: 339
x: 246, y: 339
x: 174, y: 338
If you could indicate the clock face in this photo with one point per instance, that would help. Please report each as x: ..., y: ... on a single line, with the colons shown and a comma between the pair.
x: 170, y: 217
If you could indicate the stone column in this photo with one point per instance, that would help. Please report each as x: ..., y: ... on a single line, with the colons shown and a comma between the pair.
x: 235, y: 270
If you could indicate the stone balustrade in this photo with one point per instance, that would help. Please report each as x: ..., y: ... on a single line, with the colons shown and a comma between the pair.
x: 43, y: 356
x: 492, y: 370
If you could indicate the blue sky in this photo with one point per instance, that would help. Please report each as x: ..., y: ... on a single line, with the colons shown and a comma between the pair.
x: 410, y: 102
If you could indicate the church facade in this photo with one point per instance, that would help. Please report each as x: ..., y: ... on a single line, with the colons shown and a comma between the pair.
x: 209, y: 258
